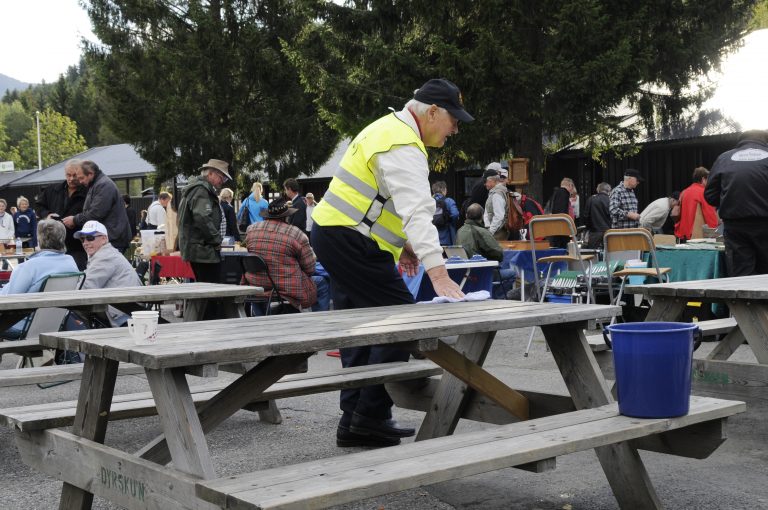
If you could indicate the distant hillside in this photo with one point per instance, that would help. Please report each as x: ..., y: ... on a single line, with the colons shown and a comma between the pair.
x: 8, y: 83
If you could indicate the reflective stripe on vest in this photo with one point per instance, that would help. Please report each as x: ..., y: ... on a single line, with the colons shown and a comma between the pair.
x: 353, y: 197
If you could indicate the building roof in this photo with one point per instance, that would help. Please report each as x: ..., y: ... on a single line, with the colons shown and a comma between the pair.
x: 7, y: 178
x: 116, y: 161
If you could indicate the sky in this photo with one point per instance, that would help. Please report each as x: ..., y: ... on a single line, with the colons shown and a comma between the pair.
x: 39, y: 39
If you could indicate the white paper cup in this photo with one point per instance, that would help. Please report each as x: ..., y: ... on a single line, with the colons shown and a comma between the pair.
x: 142, y: 326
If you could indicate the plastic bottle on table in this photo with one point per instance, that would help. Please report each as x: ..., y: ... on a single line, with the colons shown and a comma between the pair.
x: 19, y: 250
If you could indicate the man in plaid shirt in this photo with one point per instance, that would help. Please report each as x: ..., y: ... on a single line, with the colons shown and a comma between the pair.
x: 289, y: 257
x: 623, y: 202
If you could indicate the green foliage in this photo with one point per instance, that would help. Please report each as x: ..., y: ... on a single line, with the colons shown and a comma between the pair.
x: 528, y: 70
x: 59, y: 140
x: 16, y: 121
x: 189, y: 81
x: 760, y: 18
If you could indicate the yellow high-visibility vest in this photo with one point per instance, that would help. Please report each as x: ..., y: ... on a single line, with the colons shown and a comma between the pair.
x: 353, y: 197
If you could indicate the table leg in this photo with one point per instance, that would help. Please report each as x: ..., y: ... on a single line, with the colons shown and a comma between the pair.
x: 183, y: 432
x: 752, y: 319
x: 91, y: 418
x: 621, y: 463
x: 232, y: 309
x: 727, y: 345
x: 453, y: 394
x: 666, y: 309
x: 227, y: 402
x: 194, y: 309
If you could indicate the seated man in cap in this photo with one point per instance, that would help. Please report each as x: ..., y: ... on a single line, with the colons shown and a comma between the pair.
x: 29, y: 276
x: 290, y: 259
x: 107, y: 267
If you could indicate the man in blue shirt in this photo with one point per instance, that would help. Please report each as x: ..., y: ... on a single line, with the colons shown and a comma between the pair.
x: 30, y: 275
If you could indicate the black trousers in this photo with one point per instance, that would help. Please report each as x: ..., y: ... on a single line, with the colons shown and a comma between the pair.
x: 362, y: 276
x: 746, y: 246
x: 209, y: 273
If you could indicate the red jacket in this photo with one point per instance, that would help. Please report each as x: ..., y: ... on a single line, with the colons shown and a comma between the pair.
x: 690, y: 197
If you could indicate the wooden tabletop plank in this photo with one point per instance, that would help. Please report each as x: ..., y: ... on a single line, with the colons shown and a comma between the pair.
x: 741, y: 287
x: 151, y: 293
x: 256, y: 338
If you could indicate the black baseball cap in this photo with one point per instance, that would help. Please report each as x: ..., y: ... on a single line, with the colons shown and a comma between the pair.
x: 445, y: 94
x: 631, y: 172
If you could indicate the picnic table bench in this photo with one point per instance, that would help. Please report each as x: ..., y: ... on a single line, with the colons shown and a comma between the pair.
x: 143, y: 480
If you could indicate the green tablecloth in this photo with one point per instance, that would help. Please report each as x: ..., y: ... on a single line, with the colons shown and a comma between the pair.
x: 692, y: 264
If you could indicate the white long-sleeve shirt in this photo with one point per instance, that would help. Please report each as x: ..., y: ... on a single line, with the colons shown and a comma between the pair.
x: 156, y: 214
x: 7, y: 229
x: 403, y: 174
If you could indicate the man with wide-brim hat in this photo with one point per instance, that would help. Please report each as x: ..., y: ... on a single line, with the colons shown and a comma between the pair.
x: 290, y: 260
x: 202, y: 223
x: 377, y: 213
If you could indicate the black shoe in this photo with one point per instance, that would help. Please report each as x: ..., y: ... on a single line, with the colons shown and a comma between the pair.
x: 365, y: 426
x: 346, y: 439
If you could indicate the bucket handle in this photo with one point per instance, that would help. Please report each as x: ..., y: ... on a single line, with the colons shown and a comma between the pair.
x: 698, y: 338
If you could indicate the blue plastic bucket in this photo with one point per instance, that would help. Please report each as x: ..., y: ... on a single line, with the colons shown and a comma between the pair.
x: 653, y: 367
x: 557, y: 298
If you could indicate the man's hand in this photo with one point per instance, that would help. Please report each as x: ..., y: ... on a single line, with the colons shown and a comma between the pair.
x: 633, y: 216
x: 443, y: 284
x: 69, y: 222
x: 409, y: 262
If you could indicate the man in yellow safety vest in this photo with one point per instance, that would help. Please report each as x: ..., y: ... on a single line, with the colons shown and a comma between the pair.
x: 377, y: 212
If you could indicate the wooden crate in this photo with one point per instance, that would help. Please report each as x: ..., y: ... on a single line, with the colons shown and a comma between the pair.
x: 518, y: 172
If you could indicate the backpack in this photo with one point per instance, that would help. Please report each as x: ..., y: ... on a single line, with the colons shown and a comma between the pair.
x: 514, y: 214
x: 442, y: 216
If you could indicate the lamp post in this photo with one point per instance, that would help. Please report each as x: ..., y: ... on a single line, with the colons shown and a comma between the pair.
x: 39, y: 148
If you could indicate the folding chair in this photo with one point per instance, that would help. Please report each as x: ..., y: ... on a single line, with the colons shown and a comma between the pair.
x: 45, y: 320
x: 547, y: 225
x: 255, y: 264
x: 631, y: 239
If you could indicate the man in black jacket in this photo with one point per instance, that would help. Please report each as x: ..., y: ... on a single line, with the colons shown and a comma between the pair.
x: 738, y: 187
x: 64, y: 199
x: 103, y: 203
x: 299, y: 218
x: 597, y: 216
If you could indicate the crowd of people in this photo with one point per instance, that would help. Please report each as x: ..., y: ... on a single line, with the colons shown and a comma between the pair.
x: 379, y: 218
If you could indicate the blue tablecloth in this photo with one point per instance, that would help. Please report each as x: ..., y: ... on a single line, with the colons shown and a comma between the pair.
x: 480, y: 278
x: 523, y: 260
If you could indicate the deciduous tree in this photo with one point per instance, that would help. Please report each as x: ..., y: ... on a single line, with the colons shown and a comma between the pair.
x: 59, y: 140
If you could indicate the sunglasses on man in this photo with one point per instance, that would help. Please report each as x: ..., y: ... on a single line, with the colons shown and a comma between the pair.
x: 88, y: 238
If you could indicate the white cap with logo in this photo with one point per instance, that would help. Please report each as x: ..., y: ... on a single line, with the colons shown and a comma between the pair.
x: 91, y: 228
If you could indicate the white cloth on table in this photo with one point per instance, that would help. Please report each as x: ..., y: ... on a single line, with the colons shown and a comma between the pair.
x: 480, y: 295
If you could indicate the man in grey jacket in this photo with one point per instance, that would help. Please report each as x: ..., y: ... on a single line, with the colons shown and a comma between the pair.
x: 107, y: 267
x: 103, y: 204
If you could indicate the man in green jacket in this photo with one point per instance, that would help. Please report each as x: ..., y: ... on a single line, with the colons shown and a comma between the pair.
x: 202, y: 223
x: 476, y: 239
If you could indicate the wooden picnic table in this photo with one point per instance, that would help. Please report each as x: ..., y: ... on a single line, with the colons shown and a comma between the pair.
x: 231, y: 297
x: 747, y: 299
x: 142, y: 480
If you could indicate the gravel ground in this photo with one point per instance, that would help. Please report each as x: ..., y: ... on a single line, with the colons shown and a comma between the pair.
x: 734, y: 477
